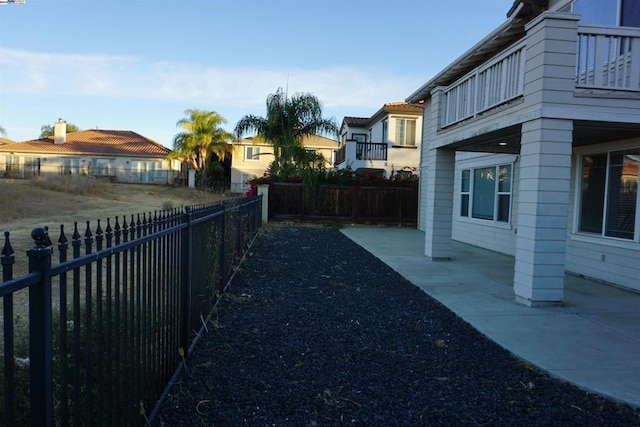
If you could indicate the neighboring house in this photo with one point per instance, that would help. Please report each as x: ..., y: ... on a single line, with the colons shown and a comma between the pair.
x: 388, y: 142
x: 250, y: 159
x: 122, y: 156
x: 535, y: 131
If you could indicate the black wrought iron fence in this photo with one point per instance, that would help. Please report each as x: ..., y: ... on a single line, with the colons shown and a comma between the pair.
x: 109, y: 325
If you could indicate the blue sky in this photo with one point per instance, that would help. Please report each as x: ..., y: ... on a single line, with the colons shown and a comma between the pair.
x: 139, y: 64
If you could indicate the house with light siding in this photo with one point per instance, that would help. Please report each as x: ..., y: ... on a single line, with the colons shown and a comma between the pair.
x: 122, y: 156
x: 251, y: 158
x: 531, y: 146
x: 388, y: 142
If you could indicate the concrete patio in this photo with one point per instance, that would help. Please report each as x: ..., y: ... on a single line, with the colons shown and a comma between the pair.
x: 592, y: 340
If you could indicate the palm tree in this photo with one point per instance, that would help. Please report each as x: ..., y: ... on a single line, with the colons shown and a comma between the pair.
x: 287, y: 122
x: 47, y: 131
x: 201, y: 136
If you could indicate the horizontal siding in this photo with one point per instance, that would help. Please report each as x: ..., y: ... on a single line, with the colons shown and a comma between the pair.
x: 619, y: 266
x: 490, y: 237
x: 422, y: 200
x: 585, y: 255
x: 498, y: 237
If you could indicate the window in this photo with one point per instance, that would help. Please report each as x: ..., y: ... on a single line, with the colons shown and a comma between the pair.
x: 31, y: 166
x: 630, y: 13
x: 252, y: 154
x: 385, y: 132
x: 597, y: 12
x: 609, y: 196
x: 606, y: 12
x: 70, y: 166
x: 464, y: 192
x: 244, y: 180
x: 143, y: 171
x: 101, y: 167
x: 11, y: 163
x: 359, y: 137
x: 405, y: 132
x: 482, y: 196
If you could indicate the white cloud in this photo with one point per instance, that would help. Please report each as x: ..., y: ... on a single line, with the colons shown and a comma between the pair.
x: 119, y: 76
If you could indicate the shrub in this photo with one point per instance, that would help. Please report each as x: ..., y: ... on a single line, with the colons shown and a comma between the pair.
x: 339, y: 177
x: 74, y: 184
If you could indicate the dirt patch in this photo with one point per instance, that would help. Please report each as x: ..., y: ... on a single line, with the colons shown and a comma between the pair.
x: 24, y: 206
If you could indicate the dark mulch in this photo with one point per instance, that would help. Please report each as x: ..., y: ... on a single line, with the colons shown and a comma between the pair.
x: 316, y: 331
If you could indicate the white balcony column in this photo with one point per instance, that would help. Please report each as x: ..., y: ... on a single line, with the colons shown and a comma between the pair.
x: 350, y: 155
x: 263, y: 190
x: 439, y: 203
x: 191, y: 180
x: 543, y: 189
x: 550, y: 63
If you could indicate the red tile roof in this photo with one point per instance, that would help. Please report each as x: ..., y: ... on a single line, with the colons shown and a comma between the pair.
x: 102, y: 142
x: 402, y: 105
x: 389, y: 107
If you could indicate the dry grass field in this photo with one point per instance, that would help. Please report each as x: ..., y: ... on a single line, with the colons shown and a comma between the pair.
x: 26, y: 204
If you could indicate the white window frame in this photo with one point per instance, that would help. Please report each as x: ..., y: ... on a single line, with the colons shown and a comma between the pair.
x: 465, y: 194
x: 469, y: 194
x: 146, y: 170
x: 605, y: 208
x: 401, y: 139
x: 244, y: 177
x: 70, y: 165
x: 9, y: 162
x: 101, y: 166
x: 252, y: 153
x: 385, y: 131
x: 159, y: 171
x: 359, y: 137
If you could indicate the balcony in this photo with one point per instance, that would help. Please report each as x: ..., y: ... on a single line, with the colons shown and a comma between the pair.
x: 354, y: 150
x: 486, y: 87
x: 607, y: 60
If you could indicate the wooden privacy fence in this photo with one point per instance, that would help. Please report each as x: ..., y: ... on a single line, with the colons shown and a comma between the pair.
x: 116, y: 317
x: 344, y: 203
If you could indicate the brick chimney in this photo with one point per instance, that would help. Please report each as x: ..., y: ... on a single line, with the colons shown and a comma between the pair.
x: 60, y: 132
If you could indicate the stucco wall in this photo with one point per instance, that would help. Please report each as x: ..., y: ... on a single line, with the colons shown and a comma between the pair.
x: 134, y: 169
x: 243, y: 169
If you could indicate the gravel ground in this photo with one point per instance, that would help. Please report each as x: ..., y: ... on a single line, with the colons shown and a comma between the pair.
x: 316, y: 331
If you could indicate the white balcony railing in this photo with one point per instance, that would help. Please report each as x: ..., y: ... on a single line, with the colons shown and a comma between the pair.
x: 496, y: 82
x: 353, y: 151
x: 608, y: 58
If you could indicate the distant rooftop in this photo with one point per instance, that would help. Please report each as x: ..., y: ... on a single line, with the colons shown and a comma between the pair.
x: 95, y: 142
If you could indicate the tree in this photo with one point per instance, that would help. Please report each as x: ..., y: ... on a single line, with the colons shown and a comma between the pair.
x: 287, y: 122
x: 2, y: 131
x: 47, y: 131
x: 201, y: 136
